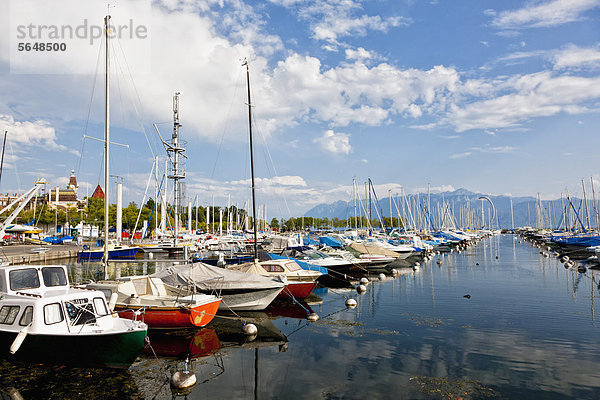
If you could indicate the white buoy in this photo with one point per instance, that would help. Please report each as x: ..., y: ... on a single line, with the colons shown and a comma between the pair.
x: 581, y: 269
x: 564, y: 259
x: 151, y: 255
x: 113, y: 301
x: 546, y: 255
x: 183, y: 379
x: 249, y: 329
x: 381, y: 276
x: 439, y: 261
x: 394, y: 271
x: 361, y: 289
x: 416, y: 267
x: 364, y: 280
x: 351, y: 303
x: 313, y: 317
x: 16, y: 344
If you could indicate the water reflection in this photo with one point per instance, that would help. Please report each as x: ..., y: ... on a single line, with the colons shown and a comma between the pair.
x: 528, y: 330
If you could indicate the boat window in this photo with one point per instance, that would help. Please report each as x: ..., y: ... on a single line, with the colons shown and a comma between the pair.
x: 292, y: 266
x: 107, y: 293
x: 27, y: 316
x: 54, y: 276
x: 80, y: 311
x: 8, y: 314
x: 141, y: 286
x: 314, y: 255
x: 53, y: 314
x: 24, y: 279
x: 273, y: 268
x: 100, y: 305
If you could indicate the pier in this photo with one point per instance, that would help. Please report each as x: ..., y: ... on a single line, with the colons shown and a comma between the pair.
x: 24, y: 254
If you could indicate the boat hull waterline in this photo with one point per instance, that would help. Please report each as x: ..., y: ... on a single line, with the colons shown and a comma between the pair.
x: 114, y: 350
x: 172, y: 318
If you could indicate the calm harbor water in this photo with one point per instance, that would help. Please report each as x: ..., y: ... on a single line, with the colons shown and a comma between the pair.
x: 528, y: 331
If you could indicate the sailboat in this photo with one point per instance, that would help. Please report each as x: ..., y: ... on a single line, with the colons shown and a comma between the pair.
x: 240, y: 291
x: 44, y: 319
x: 142, y: 297
x: 110, y: 249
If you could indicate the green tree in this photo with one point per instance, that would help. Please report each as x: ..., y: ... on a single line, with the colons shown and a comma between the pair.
x: 274, y: 223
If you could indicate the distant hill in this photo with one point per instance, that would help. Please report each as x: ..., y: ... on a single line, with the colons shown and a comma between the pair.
x: 457, y: 203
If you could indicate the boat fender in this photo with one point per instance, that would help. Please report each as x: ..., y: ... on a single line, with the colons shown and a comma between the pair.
x: 351, y: 303
x: 439, y: 261
x: 381, y: 276
x: 112, y: 302
x: 16, y: 344
x: 313, y: 317
x: 183, y: 379
x: 249, y: 329
x: 364, y: 280
x: 361, y: 289
x: 394, y: 271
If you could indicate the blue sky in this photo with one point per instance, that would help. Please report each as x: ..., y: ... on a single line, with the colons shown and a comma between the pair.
x: 496, y: 97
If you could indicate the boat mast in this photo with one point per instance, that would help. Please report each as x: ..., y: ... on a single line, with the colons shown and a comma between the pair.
x: 245, y: 63
x: 106, y: 142
x: 176, y: 176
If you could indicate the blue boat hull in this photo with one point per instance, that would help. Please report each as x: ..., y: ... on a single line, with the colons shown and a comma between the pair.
x: 112, y: 254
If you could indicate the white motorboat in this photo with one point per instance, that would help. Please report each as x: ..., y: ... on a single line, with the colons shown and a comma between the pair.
x: 43, y: 319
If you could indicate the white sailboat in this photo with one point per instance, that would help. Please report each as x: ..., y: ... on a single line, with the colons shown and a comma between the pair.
x: 44, y: 319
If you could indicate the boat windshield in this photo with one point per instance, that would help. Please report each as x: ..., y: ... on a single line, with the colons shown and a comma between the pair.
x: 292, y: 266
x: 314, y: 255
x: 26, y: 278
x: 80, y: 311
x: 54, y: 276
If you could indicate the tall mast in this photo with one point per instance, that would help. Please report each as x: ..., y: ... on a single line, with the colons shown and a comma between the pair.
x: 176, y: 177
x: 251, y: 160
x: 106, y: 143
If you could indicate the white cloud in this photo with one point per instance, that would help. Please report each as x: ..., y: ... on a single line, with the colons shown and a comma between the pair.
x: 547, y: 14
x: 25, y: 134
x: 461, y: 155
x: 331, y: 20
x: 576, y: 57
x: 336, y: 143
x: 520, y: 98
x: 486, y: 149
x: 358, y: 54
x: 332, y: 28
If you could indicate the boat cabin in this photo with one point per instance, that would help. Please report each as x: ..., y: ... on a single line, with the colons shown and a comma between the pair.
x: 40, y: 297
x: 33, y: 279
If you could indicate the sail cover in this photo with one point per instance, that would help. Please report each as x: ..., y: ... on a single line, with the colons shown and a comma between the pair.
x: 207, y: 277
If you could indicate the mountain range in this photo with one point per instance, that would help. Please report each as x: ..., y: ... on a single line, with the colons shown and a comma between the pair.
x: 526, y: 211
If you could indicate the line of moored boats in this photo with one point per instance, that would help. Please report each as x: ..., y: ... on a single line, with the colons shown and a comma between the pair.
x: 44, y: 317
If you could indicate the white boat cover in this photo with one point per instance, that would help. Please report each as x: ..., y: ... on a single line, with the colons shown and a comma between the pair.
x: 207, y: 277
